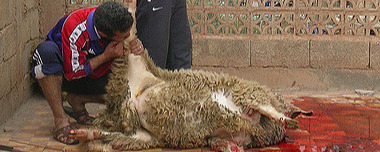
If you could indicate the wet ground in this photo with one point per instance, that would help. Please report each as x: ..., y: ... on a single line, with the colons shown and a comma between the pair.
x: 341, y: 122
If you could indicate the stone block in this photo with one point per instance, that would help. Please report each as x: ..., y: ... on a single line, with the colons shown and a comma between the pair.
x: 375, y: 55
x: 280, y: 52
x: 353, y: 79
x: 31, y: 18
x: 51, y: 12
x: 306, y: 79
x: 279, y: 79
x: 29, y: 4
x: 5, y: 67
x: 7, y: 12
x: 10, y: 41
x: 340, y: 54
x: 34, y: 24
x: 26, y: 89
x: 221, y: 52
x: 16, y: 76
x: 6, y: 109
x: 23, y: 29
x: 2, y: 45
x: 15, y: 98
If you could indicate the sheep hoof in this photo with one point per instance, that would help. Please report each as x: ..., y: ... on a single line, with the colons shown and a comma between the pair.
x: 292, y: 124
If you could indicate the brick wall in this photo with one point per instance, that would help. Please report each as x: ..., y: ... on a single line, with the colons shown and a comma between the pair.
x: 19, y: 34
x: 294, y: 62
x: 50, y: 12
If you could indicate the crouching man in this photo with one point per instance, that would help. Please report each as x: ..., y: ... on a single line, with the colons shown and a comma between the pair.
x: 76, y: 58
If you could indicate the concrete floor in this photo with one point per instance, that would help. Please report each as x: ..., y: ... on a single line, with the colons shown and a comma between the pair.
x: 341, y: 122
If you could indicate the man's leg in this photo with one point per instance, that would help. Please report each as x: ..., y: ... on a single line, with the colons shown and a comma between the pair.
x: 82, y: 91
x: 153, y: 28
x: 47, y: 66
x: 51, y: 87
x: 180, y: 45
x: 78, y: 103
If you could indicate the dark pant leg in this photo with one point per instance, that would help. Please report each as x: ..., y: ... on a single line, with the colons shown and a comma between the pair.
x: 180, y: 42
x: 86, y: 85
x: 47, y: 60
x: 163, y: 27
x: 153, y: 28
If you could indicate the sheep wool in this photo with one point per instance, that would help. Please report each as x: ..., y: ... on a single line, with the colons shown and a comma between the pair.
x: 148, y: 107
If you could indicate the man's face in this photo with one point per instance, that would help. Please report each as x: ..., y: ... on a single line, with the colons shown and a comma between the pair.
x: 118, y: 37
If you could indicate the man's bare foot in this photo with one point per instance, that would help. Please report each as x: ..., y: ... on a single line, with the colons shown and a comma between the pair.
x: 84, y: 134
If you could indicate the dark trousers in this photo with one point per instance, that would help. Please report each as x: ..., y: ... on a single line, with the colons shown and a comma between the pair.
x: 164, y: 29
x: 47, y: 60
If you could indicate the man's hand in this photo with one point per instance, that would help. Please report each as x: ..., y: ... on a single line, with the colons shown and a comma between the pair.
x: 136, y: 46
x: 113, y: 50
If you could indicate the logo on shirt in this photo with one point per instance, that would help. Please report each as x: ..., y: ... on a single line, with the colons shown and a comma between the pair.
x: 157, y: 8
x: 91, y: 51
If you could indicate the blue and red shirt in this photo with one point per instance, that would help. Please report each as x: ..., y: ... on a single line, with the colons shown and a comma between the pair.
x: 79, y: 41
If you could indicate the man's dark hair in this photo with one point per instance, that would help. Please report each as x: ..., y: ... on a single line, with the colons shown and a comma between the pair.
x: 110, y: 17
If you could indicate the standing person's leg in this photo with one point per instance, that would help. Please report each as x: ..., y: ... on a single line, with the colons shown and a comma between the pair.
x: 47, y: 69
x: 180, y: 45
x: 153, y: 28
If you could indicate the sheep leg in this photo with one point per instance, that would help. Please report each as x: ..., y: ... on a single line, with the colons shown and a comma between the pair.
x: 140, y: 140
x: 292, y: 111
x: 224, y: 145
x: 86, y: 134
x: 271, y: 112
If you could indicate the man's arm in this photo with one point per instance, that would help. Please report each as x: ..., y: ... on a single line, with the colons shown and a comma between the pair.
x: 113, y: 49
